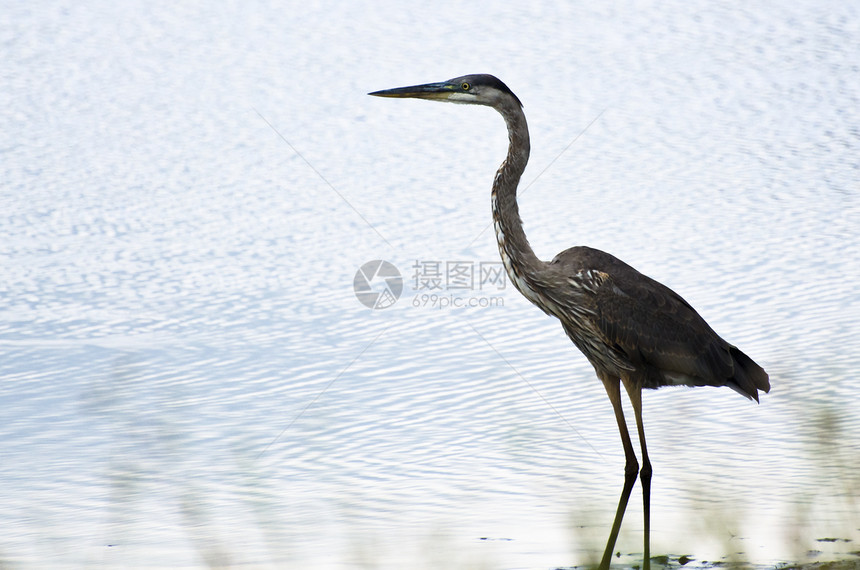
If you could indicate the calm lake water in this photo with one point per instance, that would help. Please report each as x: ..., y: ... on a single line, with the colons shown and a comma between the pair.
x: 188, y: 379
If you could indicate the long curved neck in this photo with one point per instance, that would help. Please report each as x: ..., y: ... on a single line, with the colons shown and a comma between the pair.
x: 519, y: 258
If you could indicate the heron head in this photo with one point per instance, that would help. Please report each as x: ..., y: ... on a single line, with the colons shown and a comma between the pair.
x: 478, y: 89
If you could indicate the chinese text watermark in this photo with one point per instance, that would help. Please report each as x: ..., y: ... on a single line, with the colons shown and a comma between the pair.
x: 436, y: 284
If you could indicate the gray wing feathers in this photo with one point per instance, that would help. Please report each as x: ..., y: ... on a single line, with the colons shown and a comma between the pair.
x: 657, y: 331
x: 655, y: 326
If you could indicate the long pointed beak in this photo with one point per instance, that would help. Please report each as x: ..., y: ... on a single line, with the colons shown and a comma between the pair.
x: 426, y: 91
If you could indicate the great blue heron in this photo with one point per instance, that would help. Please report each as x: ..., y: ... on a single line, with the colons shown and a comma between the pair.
x: 634, y: 330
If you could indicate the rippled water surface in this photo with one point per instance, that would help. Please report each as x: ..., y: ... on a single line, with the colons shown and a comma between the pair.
x: 187, y: 192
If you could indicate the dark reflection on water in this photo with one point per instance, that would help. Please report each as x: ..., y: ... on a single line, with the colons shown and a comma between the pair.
x: 187, y: 379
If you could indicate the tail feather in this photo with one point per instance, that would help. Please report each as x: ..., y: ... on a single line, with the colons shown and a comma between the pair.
x: 748, y: 376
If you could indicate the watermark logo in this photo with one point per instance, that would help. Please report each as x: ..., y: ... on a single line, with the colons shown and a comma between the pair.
x: 435, y: 284
x: 462, y: 275
x: 377, y: 284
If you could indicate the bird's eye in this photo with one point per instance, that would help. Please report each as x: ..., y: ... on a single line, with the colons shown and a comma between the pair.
x: 465, y: 86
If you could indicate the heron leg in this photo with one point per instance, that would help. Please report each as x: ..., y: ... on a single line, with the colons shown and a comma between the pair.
x: 634, y: 391
x: 631, y: 467
x: 613, y: 390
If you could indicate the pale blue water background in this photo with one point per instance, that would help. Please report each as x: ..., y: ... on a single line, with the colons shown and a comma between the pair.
x: 188, y: 380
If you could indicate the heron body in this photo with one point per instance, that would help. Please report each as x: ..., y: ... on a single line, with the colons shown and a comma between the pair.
x: 632, y: 329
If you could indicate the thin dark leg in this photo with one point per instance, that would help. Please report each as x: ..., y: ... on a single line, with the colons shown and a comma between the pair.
x: 634, y: 391
x: 631, y: 467
x: 629, y: 481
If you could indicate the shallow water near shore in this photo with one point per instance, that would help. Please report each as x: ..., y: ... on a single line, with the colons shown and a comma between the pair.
x: 189, y: 195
